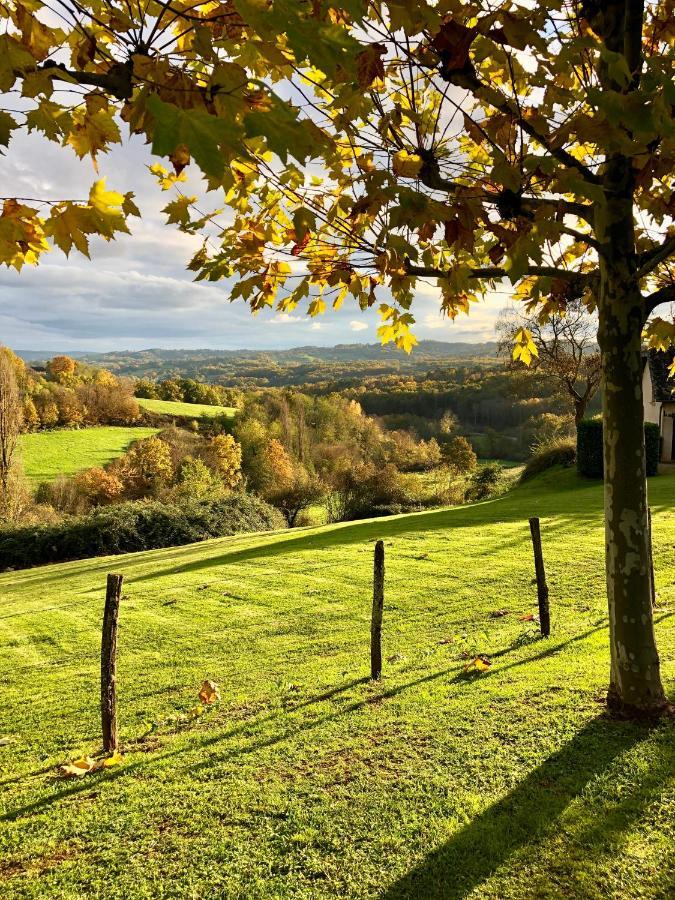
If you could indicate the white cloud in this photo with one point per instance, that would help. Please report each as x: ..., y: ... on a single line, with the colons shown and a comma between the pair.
x: 135, y: 292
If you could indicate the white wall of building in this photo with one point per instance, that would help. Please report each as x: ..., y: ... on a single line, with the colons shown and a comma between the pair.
x: 652, y: 407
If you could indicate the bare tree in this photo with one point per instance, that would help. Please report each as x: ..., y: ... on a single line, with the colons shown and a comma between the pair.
x: 568, y: 351
x: 10, y: 418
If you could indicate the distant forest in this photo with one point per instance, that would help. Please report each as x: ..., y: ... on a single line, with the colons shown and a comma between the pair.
x: 498, y: 405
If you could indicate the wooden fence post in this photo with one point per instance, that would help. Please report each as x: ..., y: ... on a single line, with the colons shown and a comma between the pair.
x: 113, y: 595
x: 652, y: 580
x: 376, y: 620
x: 542, y: 587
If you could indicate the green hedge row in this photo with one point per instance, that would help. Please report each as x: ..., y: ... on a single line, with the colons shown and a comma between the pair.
x: 138, y: 525
x: 589, y: 448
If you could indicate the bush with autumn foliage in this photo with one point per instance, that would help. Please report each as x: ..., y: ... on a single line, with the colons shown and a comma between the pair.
x: 69, y: 394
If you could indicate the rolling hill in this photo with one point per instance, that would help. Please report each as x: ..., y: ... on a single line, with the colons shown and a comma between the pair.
x: 306, y: 779
x: 47, y: 454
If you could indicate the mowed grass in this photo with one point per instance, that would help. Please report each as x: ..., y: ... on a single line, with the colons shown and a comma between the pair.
x: 191, y: 410
x: 48, y: 454
x: 307, y: 780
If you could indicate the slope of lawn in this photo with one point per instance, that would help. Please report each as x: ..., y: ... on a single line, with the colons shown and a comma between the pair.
x: 48, y: 454
x: 191, y: 410
x: 307, y: 780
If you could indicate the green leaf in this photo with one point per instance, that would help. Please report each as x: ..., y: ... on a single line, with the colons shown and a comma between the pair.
x: 285, y: 133
x: 304, y: 221
x: 209, y: 139
x: 7, y: 125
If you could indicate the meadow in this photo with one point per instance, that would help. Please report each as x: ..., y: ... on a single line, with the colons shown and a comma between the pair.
x: 307, y: 779
x: 182, y: 410
x: 47, y: 454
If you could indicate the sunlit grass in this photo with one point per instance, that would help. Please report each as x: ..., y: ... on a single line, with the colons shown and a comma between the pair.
x: 47, y: 454
x: 307, y: 780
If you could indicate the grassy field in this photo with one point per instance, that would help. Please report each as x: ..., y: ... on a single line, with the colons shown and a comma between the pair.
x: 307, y: 780
x: 192, y: 410
x: 48, y: 454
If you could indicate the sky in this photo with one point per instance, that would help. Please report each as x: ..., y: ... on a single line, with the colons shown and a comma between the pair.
x: 136, y: 293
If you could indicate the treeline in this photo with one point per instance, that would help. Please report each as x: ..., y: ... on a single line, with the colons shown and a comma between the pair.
x: 70, y: 394
x: 187, y: 390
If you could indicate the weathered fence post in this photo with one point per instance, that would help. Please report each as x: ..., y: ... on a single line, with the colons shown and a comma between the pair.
x: 542, y: 587
x: 113, y: 595
x: 376, y: 620
x: 652, y: 580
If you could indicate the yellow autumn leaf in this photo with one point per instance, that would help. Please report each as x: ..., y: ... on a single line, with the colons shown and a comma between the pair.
x: 113, y: 760
x: 78, y: 767
x: 407, y: 165
x: 106, y: 202
x: 524, y: 348
x: 209, y: 692
x: 479, y: 664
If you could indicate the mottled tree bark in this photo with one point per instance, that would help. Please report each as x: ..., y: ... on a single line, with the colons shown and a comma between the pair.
x: 635, y: 681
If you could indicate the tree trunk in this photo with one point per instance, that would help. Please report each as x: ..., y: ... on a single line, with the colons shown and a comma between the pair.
x: 635, y: 682
x: 579, y: 411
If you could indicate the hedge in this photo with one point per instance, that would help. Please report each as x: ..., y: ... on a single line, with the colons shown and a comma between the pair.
x: 589, y: 448
x: 558, y: 452
x: 134, y: 526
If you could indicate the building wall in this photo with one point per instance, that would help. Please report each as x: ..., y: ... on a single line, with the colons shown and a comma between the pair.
x: 652, y: 408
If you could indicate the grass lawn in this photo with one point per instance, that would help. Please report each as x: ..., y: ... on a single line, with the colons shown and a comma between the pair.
x: 307, y: 780
x: 193, y: 410
x: 48, y: 454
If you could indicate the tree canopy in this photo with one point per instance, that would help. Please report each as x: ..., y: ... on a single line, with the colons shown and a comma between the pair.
x: 352, y: 148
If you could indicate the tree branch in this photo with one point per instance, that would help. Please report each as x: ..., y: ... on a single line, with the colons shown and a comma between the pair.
x: 468, y: 80
x: 117, y: 81
x: 663, y: 295
x: 650, y: 259
x: 497, y: 272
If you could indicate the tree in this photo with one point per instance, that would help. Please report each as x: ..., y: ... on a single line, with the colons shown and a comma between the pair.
x: 99, y: 486
x: 10, y: 419
x: 459, y: 455
x: 149, y: 464
x: 225, y: 454
x: 61, y: 369
x: 567, y: 351
x: 461, y: 142
x: 297, y: 494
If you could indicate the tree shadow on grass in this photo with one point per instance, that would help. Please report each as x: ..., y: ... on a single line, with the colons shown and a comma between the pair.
x: 525, y: 816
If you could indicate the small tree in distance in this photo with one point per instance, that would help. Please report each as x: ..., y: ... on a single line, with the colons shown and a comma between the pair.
x: 567, y: 351
x: 459, y: 456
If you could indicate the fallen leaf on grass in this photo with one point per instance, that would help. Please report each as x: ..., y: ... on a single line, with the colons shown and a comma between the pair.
x: 448, y: 640
x: 209, y: 692
x: 113, y: 760
x: 479, y: 664
x: 87, y: 764
x: 530, y: 617
x: 4, y: 741
x: 78, y: 767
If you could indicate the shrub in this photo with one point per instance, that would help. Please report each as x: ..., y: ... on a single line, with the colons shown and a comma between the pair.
x: 485, y: 482
x: 589, y: 448
x: 62, y: 494
x: 99, y: 486
x: 364, y: 491
x: 134, y: 526
x: 197, y: 481
x: 557, y: 452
